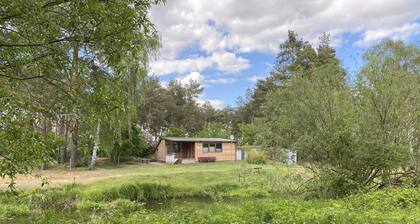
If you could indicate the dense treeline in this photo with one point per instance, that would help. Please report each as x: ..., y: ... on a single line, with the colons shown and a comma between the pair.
x: 66, y: 83
x: 72, y: 86
x: 172, y: 110
x: 353, y: 136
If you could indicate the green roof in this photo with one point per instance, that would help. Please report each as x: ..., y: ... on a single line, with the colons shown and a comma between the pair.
x: 185, y: 139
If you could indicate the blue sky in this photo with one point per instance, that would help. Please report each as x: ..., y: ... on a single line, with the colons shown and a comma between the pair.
x: 227, y: 45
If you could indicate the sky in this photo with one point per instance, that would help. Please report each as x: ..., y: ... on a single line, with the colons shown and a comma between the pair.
x: 227, y: 45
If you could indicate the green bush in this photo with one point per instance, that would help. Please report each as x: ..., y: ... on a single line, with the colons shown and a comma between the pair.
x: 329, y: 184
x: 56, y: 198
x: 257, y: 159
x: 135, y: 192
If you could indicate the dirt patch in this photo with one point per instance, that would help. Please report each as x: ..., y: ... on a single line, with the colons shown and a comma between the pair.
x: 59, y: 176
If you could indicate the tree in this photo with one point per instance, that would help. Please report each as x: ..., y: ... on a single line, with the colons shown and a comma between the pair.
x: 132, y: 143
x: 57, y: 45
x: 175, y: 131
x: 214, y: 130
x: 353, y: 138
x: 172, y: 107
x: 16, y: 134
x: 388, y: 107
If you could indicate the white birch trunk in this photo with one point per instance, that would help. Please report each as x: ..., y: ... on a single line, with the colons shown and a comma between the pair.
x: 95, y: 146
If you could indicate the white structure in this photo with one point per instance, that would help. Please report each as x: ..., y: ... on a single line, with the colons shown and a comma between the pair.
x: 240, y: 154
x: 170, y: 158
x: 291, y: 157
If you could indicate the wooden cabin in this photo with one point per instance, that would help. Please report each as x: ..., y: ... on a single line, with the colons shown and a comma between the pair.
x: 189, y: 150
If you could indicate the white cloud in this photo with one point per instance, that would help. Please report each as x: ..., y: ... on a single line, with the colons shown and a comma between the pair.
x: 201, y: 79
x: 221, y: 81
x: 228, y: 62
x: 166, y: 66
x: 193, y: 76
x: 250, y: 25
x: 224, y: 61
x: 397, y: 33
x: 216, y: 103
x: 255, y: 78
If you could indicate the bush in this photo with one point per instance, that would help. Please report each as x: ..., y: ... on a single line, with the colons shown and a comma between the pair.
x: 329, y: 184
x: 57, y: 198
x: 134, y: 192
x: 258, y: 159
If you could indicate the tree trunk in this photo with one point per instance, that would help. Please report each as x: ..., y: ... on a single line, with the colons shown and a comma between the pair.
x: 73, y: 144
x: 66, y: 138
x: 44, y: 164
x: 96, y: 146
x: 72, y: 147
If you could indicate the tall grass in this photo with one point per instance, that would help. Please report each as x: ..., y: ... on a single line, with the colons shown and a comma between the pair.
x: 267, y: 196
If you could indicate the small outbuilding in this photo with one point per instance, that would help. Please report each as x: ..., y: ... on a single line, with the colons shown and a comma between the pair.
x: 189, y: 150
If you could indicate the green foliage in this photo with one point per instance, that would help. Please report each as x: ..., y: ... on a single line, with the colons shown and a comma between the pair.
x: 61, y: 64
x: 185, y: 198
x: 174, y: 131
x: 354, y: 137
x: 21, y: 147
x: 256, y: 159
x: 135, y: 192
x: 60, y: 199
x: 390, y: 206
x: 131, y: 144
x: 173, y: 111
x: 214, y: 130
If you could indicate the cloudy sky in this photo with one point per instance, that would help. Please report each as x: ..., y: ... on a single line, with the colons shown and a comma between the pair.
x: 227, y: 45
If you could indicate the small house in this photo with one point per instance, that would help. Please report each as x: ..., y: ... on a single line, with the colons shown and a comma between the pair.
x: 189, y: 150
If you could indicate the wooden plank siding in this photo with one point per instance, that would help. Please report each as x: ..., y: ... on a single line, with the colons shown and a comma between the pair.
x: 195, y: 150
x: 228, y: 151
x: 161, y: 152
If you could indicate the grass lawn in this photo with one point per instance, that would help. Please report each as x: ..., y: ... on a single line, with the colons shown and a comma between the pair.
x: 107, y: 172
x: 195, y: 193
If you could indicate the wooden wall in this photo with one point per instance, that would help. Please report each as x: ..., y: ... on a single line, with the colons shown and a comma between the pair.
x: 228, y: 151
x: 160, y: 152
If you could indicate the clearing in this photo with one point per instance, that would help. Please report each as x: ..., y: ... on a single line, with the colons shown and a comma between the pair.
x: 59, y: 176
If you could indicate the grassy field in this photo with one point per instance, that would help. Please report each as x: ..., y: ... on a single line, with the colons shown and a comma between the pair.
x: 59, y: 176
x: 196, y: 193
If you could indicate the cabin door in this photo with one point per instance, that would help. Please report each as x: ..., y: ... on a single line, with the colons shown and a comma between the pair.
x: 190, y: 150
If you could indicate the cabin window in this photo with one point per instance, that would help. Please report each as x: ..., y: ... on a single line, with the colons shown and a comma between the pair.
x: 206, y: 147
x: 177, y: 148
x: 212, y: 147
x: 218, y: 147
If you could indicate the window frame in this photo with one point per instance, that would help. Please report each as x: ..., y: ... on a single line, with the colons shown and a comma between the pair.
x: 221, y: 147
x: 207, y: 148
x: 208, y: 145
x: 214, y: 147
x: 177, y: 148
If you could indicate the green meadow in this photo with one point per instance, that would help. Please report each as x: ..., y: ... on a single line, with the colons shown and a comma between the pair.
x: 204, y: 193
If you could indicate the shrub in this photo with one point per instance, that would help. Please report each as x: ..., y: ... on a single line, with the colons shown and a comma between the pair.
x: 217, y: 191
x: 257, y: 159
x: 10, y: 211
x: 329, y: 184
x: 57, y: 198
x: 135, y: 192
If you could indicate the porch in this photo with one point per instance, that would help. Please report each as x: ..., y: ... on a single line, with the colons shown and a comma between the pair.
x: 180, y: 152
